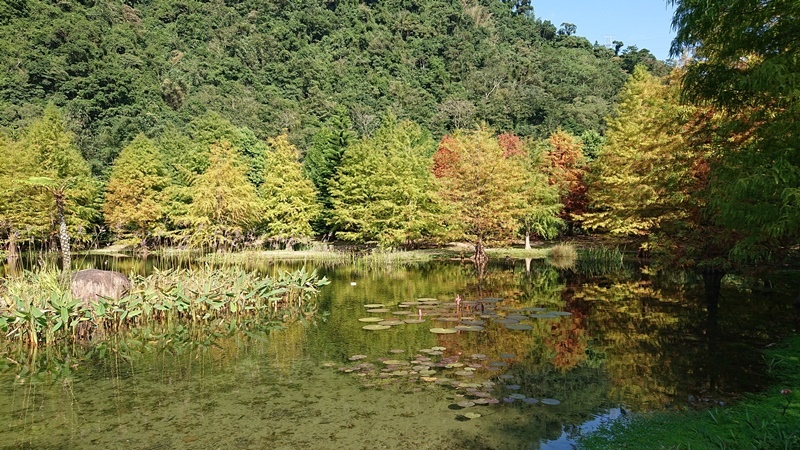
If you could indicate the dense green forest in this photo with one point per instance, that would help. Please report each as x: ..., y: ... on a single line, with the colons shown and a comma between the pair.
x: 399, y: 123
x: 123, y: 68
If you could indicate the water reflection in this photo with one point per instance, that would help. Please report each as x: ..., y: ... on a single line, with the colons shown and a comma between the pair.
x: 645, y: 343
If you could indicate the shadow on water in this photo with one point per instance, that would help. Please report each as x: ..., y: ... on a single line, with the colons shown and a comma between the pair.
x: 559, y: 352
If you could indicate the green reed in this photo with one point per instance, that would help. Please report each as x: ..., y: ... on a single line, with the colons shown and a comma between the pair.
x: 599, y: 261
x: 38, y: 307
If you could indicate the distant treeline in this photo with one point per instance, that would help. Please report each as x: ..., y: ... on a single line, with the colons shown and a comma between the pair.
x: 120, y: 69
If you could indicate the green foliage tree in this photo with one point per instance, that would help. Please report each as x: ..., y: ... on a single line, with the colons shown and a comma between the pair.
x: 322, y: 161
x: 631, y: 178
x: 541, y: 215
x: 543, y: 204
x: 134, y: 202
x: 652, y: 176
x: 224, y: 207
x: 485, y: 189
x: 290, y: 201
x: 384, y: 190
x: 746, y: 64
x: 61, y: 171
x: 21, y: 215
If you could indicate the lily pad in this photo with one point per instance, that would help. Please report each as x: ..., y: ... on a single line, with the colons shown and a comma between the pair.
x: 414, y: 320
x: 466, y: 403
x: 438, y: 349
x: 469, y: 328
x: 517, y: 396
x: 561, y: 313
x: 507, y: 355
x: 519, y: 326
x: 395, y: 362
x: 550, y: 401
x: 374, y: 305
x: 370, y: 319
x: 443, y: 330
x: 357, y: 357
x: 544, y: 316
x: 401, y: 313
x: 391, y: 322
x: 531, y: 401
x: 448, y: 319
x: 376, y: 327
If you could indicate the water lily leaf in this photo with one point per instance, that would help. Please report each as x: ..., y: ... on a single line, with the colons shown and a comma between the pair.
x: 443, y: 330
x: 550, y: 401
x: 375, y: 327
x: 391, y: 322
x: 370, y: 319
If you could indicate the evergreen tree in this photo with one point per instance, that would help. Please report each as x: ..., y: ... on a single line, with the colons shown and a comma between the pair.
x: 134, y: 203
x: 290, y: 201
x: 384, y: 190
x: 321, y: 163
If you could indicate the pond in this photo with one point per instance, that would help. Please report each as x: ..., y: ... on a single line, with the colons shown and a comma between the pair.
x: 530, y: 357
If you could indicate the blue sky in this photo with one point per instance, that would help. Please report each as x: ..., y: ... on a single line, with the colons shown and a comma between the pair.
x: 643, y: 23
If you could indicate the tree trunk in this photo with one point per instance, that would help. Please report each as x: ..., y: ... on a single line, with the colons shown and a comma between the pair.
x: 712, y: 280
x: 528, y: 265
x: 290, y: 245
x: 13, y: 251
x: 480, y: 253
x: 527, y: 240
x: 63, y: 235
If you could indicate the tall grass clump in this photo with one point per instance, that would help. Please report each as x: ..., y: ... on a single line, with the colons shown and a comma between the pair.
x: 563, y: 256
x: 599, y: 261
x: 37, y: 307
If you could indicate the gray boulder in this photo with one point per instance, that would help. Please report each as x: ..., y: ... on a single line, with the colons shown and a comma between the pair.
x: 91, y: 284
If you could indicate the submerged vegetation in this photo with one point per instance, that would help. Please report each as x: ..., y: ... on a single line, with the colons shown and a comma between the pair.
x: 38, y: 308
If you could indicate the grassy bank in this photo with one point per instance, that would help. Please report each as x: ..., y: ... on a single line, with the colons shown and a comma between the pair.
x: 768, y: 420
x: 38, y: 307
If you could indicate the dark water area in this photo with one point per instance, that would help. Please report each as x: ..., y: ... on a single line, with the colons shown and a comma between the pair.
x: 587, y: 349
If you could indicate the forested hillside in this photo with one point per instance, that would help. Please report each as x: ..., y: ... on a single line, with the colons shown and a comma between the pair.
x: 150, y: 66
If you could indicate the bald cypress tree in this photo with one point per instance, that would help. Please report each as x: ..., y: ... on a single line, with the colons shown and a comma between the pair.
x: 134, y: 200
x: 225, y: 206
x: 289, y: 199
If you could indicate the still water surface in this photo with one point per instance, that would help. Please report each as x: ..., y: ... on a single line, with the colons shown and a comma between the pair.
x: 600, y: 347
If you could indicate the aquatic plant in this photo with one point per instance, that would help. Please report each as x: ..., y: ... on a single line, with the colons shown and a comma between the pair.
x: 600, y: 261
x: 37, y: 307
x: 563, y: 255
